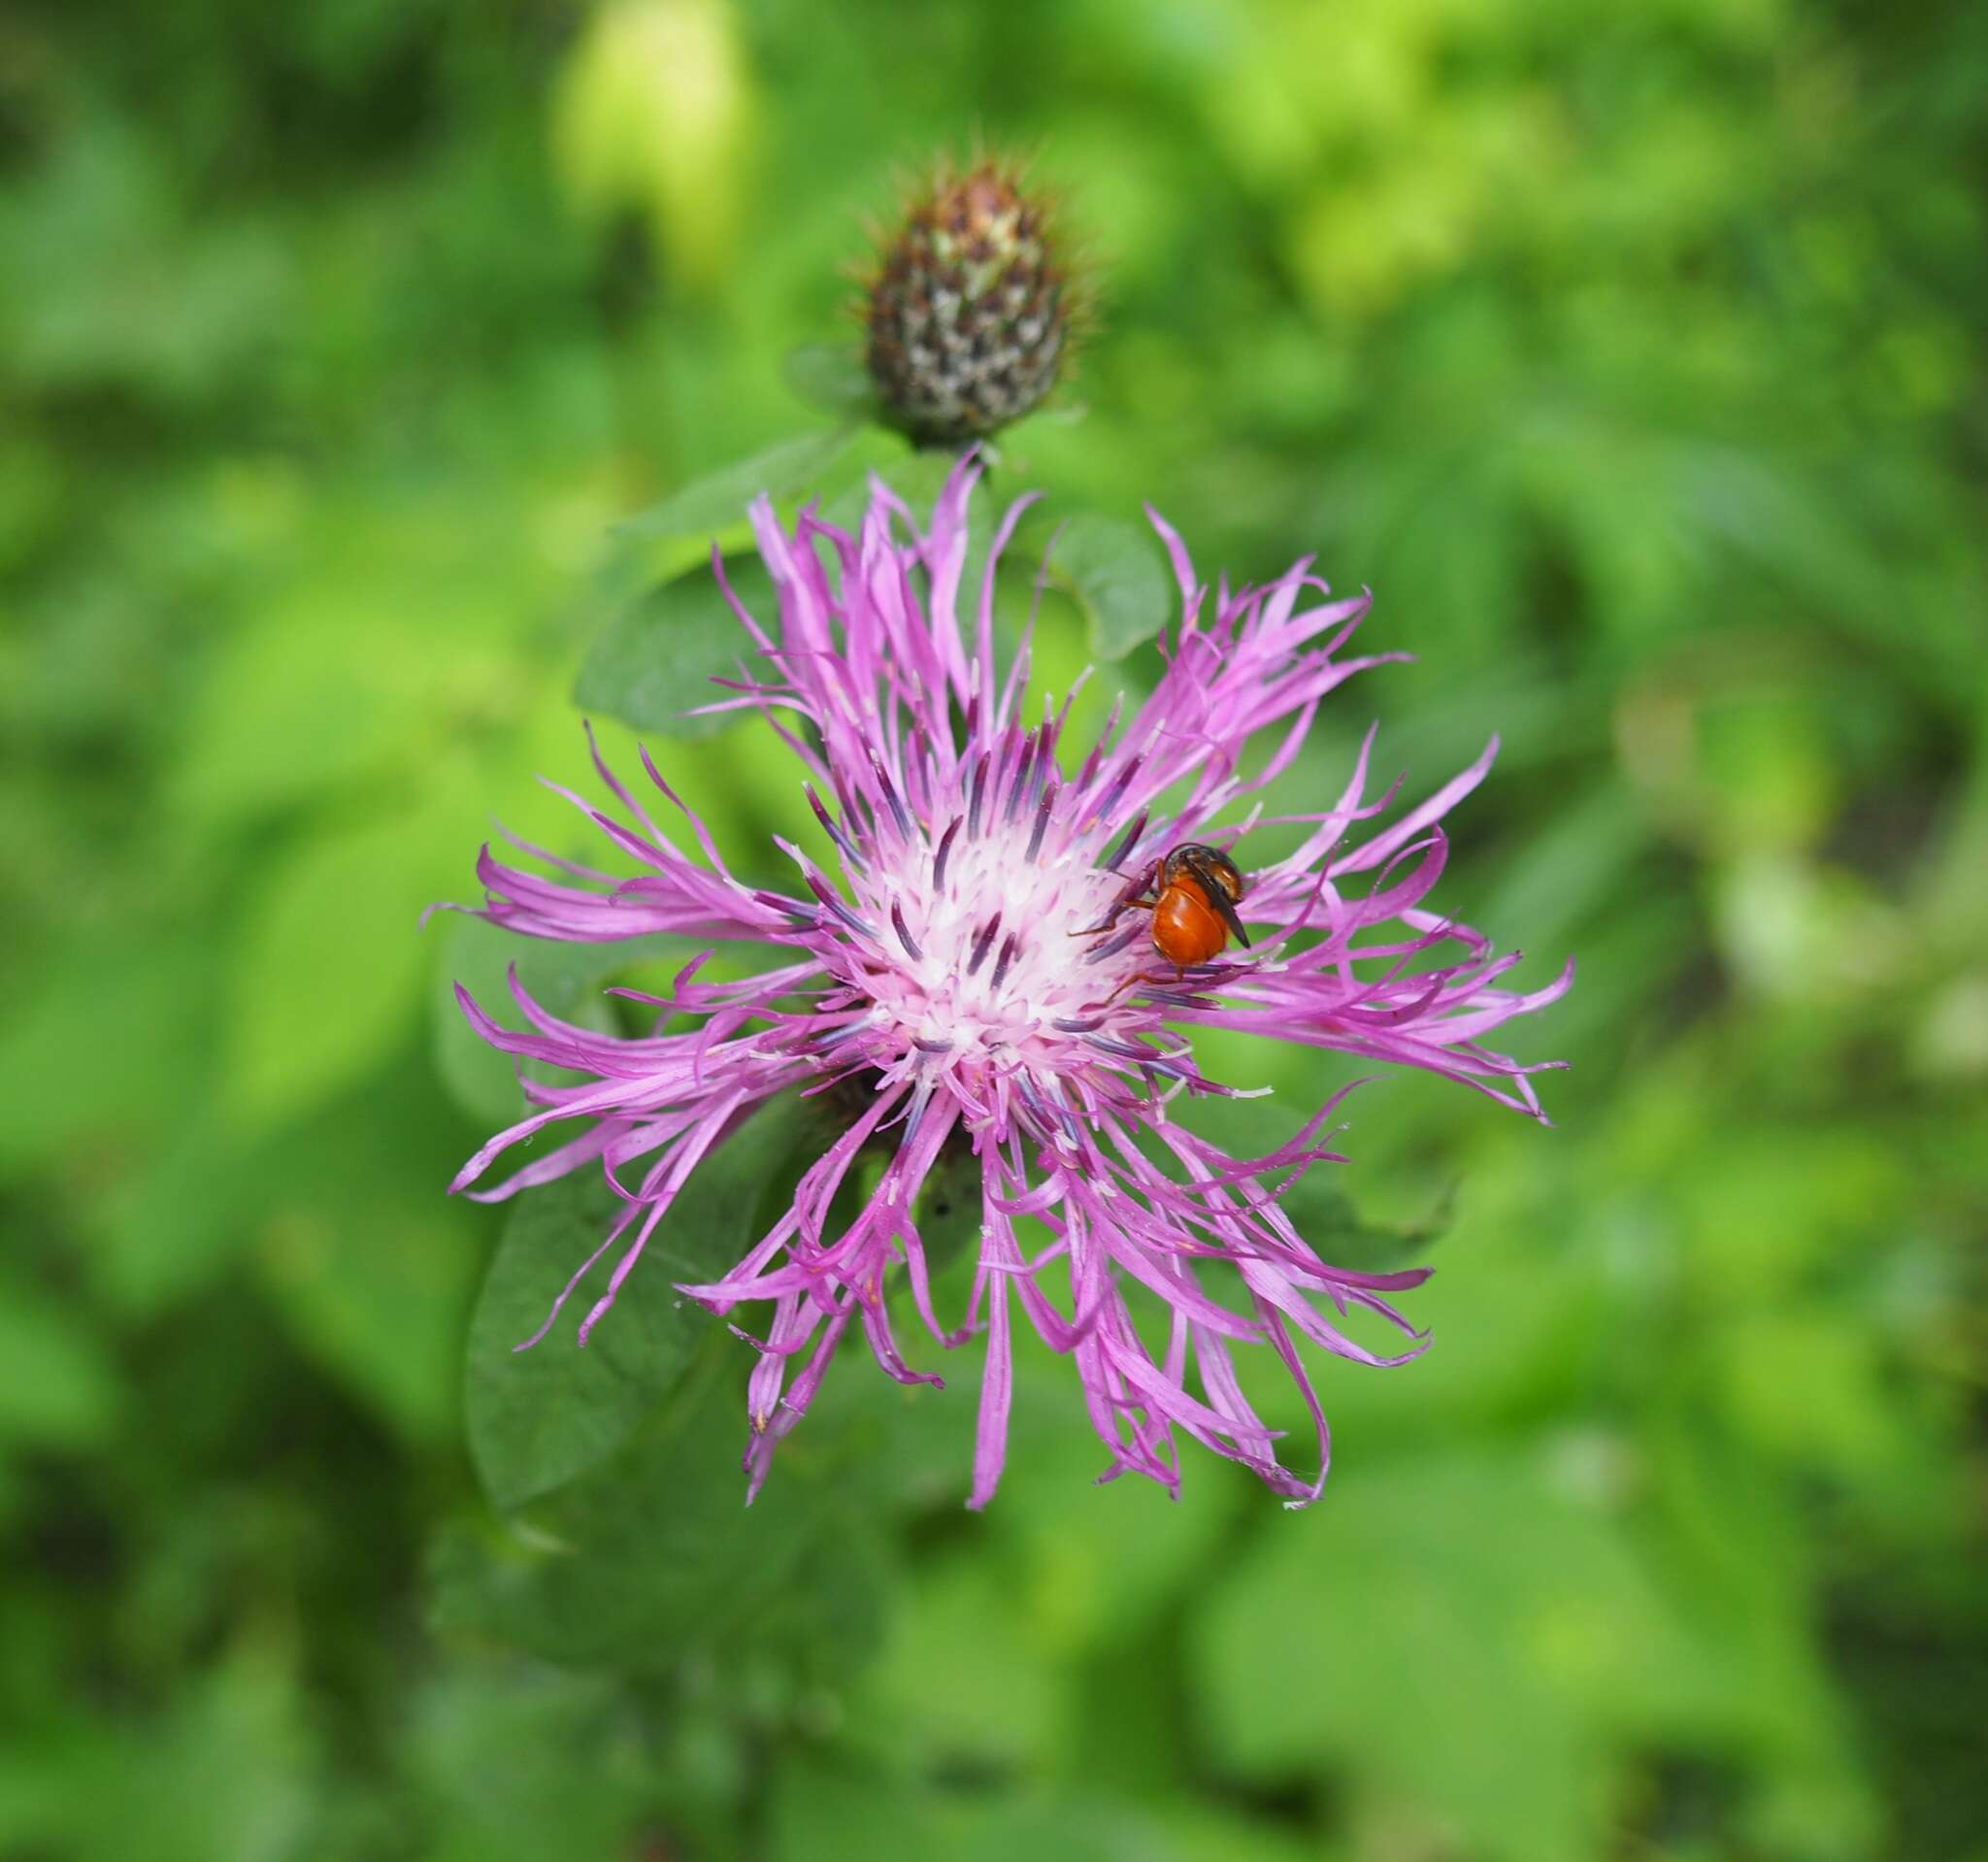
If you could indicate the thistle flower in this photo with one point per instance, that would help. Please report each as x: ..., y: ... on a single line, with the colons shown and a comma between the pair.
x: 955, y: 974
x: 970, y: 312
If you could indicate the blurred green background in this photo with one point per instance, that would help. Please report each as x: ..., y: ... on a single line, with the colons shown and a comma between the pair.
x: 1633, y: 355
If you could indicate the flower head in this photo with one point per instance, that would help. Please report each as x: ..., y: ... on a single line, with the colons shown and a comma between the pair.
x: 970, y: 314
x: 984, y: 972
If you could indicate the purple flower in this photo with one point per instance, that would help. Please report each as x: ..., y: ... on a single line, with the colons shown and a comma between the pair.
x: 953, y: 977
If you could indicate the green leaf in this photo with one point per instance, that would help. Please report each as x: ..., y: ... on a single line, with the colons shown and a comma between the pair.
x: 1331, y: 1223
x: 372, y: 1280
x: 963, y: 1674
x: 653, y: 1553
x: 309, y: 698
x: 1115, y: 572
x: 373, y: 1269
x: 1096, y: 1561
x: 58, y: 1386
x: 632, y: 1540
x: 177, y: 1222
x: 559, y: 1791
x: 331, y: 959
x: 103, y: 993
x: 836, y: 1812
x: 719, y: 500
x: 1537, y: 1616
x: 832, y: 377
x: 566, y: 979
x: 652, y: 663
x: 230, y: 1767
x: 539, y: 1418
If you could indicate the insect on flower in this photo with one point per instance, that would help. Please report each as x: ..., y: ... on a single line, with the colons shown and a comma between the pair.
x: 962, y: 983
x: 1194, y: 907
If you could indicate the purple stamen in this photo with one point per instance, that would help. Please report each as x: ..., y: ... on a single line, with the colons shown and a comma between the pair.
x: 939, y: 859
x: 1111, y: 946
x: 1030, y: 745
x: 979, y: 955
x: 890, y: 796
x: 1119, y: 786
x: 1043, y: 814
x: 1117, y: 857
x: 1009, y: 947
x: 975, y: 785
x: 828, y: 896
x: 842, y: 843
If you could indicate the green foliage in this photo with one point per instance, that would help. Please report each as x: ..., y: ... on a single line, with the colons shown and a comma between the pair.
x: 832, y: 377
x: 366, y: 386
x: 651, y: 663
x: 1554, y: 1632
x: 335, y: 906
x: 62, y: 1387
x: 717, y: 501
x: 617, y: 1464
x: 539, y: 1418
x: 1112, y: 567
x: 834, y: 1816
x: 650, y: 1557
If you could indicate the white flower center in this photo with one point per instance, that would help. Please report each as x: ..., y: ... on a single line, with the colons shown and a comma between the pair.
x: 999, y: 962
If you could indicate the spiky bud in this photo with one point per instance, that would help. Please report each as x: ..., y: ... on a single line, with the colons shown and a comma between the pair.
x: 971, y: 309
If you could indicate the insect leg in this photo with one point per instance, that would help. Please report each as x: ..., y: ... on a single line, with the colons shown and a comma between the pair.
x: 1132, y: 898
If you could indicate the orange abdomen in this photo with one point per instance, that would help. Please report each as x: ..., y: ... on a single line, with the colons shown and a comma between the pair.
x: 1185, y: 927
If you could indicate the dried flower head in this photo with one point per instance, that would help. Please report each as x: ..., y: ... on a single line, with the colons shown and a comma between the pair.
x: 971, y: 309
x: 987, y: 969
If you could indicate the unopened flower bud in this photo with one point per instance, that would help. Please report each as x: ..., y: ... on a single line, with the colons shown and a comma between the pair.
x: 971, y: 309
